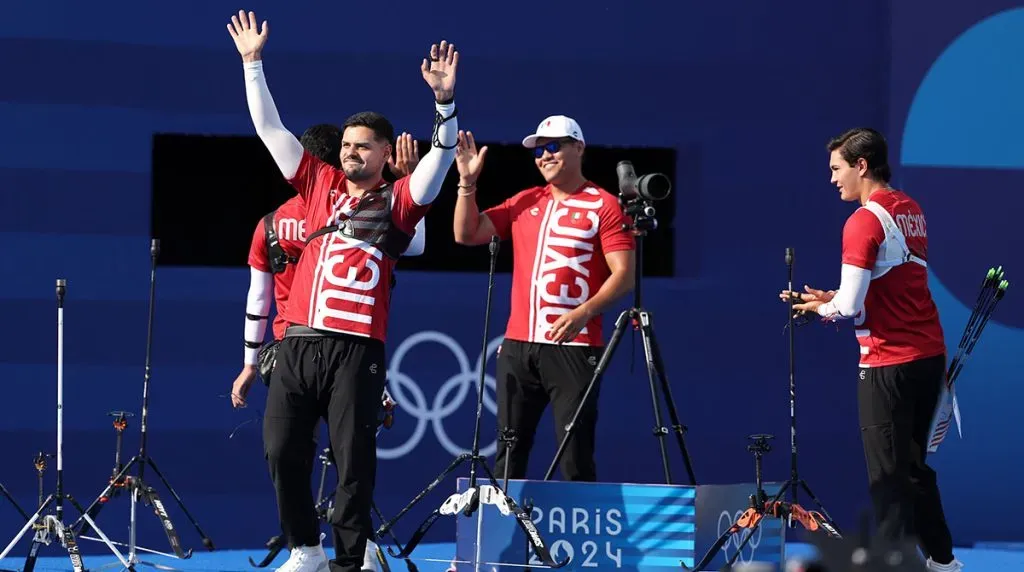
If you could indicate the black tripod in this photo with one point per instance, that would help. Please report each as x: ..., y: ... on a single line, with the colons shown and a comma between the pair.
x: 643, y: 222
x: 48, y: 527
x: 135, y: 484
x: 7, y: 495
x: 795, y: 482
x: 760, y: 507
x: 468, y: 502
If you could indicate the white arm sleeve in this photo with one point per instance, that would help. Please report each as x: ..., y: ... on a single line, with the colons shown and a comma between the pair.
x: 257, y: 305
x: 849, y: 300
x: 283, y: 146
x: 419, y: 240
x: 425, y: 181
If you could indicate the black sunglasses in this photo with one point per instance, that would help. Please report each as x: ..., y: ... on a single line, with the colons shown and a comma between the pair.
x: 551, y: 147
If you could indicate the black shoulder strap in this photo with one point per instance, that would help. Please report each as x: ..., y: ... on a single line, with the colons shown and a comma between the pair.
x: 279, y: 259
x: 321, y: 232
x: 392, y: 242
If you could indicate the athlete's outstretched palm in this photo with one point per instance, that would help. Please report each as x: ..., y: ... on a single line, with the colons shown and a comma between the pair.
x: 468, y: 159
x: 439, y: 70
x: 249, y: 39
x: 811, y: 295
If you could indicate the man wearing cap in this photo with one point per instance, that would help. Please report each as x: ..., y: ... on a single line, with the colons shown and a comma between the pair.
x: 572, y: 257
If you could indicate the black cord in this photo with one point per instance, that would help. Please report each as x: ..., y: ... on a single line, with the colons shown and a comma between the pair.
x: 438, y: 122
x: 257, y: 419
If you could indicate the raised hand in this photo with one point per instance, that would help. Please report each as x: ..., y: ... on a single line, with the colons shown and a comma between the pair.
x: 249, y: 39
x: 439, y: 70
x: 468, y: 159
x: 406, y: 156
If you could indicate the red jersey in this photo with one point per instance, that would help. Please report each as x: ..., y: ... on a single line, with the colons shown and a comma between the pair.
x: 290, y: 226
x: 343, y: 284
x: 558, y: 256
x: 900, y: 321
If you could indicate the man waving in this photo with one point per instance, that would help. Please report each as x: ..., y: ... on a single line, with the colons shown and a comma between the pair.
x: 331, y: 361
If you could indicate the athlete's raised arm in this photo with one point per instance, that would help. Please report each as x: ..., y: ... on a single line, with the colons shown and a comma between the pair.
x: 250, y: 40
x: 439, y: 73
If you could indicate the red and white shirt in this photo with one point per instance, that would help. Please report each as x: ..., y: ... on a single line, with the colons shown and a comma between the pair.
x: 290, y: 226
x: 343, y: 284
x: 900, y: 321
x: 559, y: 250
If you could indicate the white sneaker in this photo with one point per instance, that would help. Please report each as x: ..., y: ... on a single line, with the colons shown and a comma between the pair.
x: 306, y: 559
x: 954, y: 566
x: 370, y: 562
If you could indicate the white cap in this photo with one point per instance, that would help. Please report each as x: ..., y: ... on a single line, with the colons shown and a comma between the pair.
x: 555, y: 127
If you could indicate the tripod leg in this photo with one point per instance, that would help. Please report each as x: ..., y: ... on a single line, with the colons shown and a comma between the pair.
x: 102, y: 536
x: 602, y: 364
x: 379, y: 555
x: 677, y: 425
x: 437, y: 481
x: 659, y: 427
x: 151, y: 498
x: 71, y: 545
x: 743, y: 544
x: 454, y: 504
x: 206, y: 539
x: 830, y: 523
x: 75, y: 503
x: 414, y: 540
x: 96, y: 506
x: 275, y: 544
x: 7, y: 495
x: 398, y: 543
x: 28, y: 525
x: 33, y: 554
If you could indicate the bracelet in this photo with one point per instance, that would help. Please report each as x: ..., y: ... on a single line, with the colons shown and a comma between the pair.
x: 466, y: 194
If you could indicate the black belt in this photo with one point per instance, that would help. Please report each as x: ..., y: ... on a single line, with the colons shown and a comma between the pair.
x: 295, y: 331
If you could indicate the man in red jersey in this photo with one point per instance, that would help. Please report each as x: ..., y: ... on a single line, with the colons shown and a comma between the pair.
x: 572, y: 257
x: 884, y: 290
x: 331, y: 362
x: 276, y: 246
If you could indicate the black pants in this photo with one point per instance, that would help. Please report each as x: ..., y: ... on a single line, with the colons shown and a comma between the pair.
x: 340, y: 379
x: 530, y: 375
x: 896, y: 406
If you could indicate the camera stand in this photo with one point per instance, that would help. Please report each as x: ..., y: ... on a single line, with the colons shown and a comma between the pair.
x: 762, y: 506
x: 324, y: 508
x: 135, y: 484
x: 643, y: 222
x: 468, y: 502
x: 50, y: 527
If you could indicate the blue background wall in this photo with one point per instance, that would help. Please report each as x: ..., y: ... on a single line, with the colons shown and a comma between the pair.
x: 747, y: 91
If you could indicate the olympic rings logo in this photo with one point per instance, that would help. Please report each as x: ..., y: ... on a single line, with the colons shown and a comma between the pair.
x: 413, y: 403
x: 725, y: 520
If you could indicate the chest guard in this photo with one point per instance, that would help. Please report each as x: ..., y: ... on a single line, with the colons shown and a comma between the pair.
x: 279, y: 259
x: 371, y: 223
x: 893, y: 251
